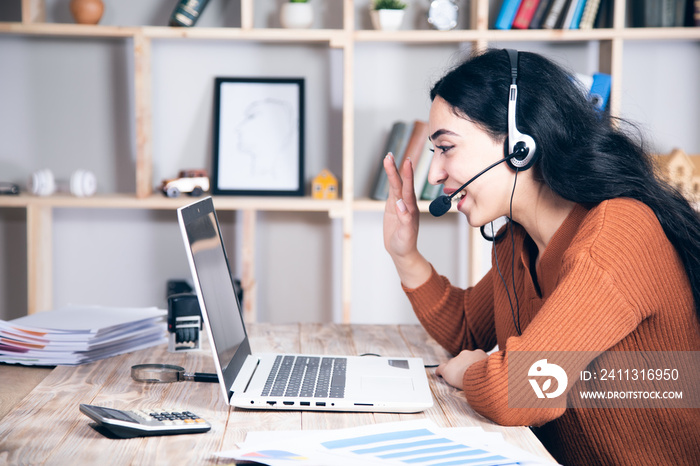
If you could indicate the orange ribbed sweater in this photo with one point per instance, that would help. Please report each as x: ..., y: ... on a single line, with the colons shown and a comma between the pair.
x: 608, y: 280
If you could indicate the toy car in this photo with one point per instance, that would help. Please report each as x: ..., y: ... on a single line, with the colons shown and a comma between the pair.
x: 8, y: 188
x: 194, y: 182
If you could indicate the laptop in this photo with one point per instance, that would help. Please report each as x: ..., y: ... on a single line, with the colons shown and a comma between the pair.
x: 286, y: 381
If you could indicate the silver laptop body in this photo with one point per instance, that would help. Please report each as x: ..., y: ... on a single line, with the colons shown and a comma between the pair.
x: 314, y: 382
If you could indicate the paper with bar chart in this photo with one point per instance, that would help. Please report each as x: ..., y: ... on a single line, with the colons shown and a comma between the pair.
x: 420, y: 443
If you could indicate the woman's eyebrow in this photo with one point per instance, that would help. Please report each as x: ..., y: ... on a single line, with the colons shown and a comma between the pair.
x: 440, y: 132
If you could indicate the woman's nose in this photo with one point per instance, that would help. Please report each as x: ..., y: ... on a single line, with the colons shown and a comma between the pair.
x: 436, y: 174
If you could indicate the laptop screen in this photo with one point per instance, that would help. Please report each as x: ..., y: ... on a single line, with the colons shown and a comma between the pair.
x: 214, y: 285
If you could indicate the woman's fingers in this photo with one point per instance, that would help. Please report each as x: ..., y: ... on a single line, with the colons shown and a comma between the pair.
x: 395, y: 182
x: 400, y: 183
x: 407, y: 190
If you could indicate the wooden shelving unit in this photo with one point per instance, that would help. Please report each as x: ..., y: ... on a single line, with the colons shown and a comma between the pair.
x: 39, y: 210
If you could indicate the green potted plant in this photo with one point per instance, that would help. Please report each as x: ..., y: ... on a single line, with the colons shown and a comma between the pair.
x: 297, y: 14
x: 387, y: 15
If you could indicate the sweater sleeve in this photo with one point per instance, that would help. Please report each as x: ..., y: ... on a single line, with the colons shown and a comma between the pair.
x: 586, y: 315
x: 458, y: 319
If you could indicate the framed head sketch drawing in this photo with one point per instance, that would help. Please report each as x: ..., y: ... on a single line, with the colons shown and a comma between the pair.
x: 258, y: 137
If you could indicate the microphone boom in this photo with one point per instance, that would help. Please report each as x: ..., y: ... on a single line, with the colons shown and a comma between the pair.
x: 442, y: 204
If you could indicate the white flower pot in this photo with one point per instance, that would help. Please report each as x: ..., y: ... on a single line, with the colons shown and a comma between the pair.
x: 297, y: 15
x: 387, y: 20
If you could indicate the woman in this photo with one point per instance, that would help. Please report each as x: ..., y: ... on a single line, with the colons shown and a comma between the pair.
x: 599, y: 257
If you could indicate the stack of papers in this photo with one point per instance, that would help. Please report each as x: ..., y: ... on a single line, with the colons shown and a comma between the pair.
x: 420, y: 442
x: 77, y: 335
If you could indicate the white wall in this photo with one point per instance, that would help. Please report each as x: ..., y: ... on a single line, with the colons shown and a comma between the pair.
x: 66, y: 103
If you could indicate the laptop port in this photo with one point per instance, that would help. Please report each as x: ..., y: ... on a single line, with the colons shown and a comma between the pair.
x: 288, y: 403
x: 320, y: 403
x: 272, y: 403
x: 304, y: 403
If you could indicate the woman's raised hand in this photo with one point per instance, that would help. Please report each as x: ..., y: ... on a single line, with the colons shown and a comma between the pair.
x: 401, y: 217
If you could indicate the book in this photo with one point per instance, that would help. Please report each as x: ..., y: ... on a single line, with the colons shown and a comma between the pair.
x: 416, y: 145
x: 653, y: 10
x: 187, y: 12
x: 421, y: 169
x: 540, y: 14
x: 637, y: 13
x: 668, y: 13
x: 604, y: 19
x: 578, y: 14
x: 589, y: 14
x: 679, y: 13
x: 393, y: 141
x: 507, y: 13
x: 525, y: 14
x: 409, y: 144
x: 552, y: 20
x: 568, y: 14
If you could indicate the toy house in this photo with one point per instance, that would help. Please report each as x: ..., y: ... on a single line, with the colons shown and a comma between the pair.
x: 683, y: 172
x: 324, y: 186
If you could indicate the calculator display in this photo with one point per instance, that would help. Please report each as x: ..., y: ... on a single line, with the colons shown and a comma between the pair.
x: 116, y: 414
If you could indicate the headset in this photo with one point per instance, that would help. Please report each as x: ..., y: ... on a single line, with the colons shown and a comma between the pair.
x: 520, y: 150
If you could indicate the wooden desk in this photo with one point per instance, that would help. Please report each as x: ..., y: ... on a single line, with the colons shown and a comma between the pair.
x: 46, y: 426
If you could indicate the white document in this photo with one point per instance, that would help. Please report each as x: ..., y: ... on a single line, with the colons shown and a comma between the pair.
x: 420, y: 442
x: 85, y: 319
x: 77, y: 335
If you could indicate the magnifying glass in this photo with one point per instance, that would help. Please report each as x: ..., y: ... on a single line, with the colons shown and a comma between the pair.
x: 168, y: 373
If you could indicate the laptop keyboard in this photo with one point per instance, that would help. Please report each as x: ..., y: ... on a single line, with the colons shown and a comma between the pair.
x: 306, y: 377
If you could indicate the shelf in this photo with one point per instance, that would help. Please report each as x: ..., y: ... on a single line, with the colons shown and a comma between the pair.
x: 458, y: 36
x: 67, y: 30
x: 334, y: 37
x: 159, y: 202
x: 339, y: 38
x: 689, y: 33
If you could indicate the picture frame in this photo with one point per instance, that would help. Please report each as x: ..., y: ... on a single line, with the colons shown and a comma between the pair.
x: 258, y: 144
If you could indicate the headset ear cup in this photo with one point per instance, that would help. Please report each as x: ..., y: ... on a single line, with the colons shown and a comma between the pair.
x: 524, y: 154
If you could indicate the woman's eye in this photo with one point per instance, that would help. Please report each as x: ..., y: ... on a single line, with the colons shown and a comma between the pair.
x: 442, y: 149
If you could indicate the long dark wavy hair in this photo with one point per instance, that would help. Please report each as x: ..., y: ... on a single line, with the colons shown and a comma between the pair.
x: 585, y: 156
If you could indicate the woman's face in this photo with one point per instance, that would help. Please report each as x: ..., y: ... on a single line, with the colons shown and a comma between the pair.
x: 463, y: 149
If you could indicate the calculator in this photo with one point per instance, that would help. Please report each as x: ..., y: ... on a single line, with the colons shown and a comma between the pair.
x: 140, y: 423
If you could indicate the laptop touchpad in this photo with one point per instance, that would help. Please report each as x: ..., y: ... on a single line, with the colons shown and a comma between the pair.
x: 386, y: 384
